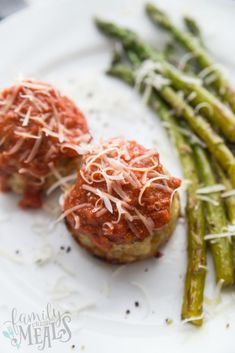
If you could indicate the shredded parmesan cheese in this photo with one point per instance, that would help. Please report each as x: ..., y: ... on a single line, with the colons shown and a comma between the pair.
x: 228, y: 193
x: 191, y: 96
x: 62, y: 181
x: 148, y: 184
x: 219, y: 235
x: 185, y: 59
x: 192, y: 318
x: 202, y: 106
x: 211, y: 189
x: 208, y: 70
x: 113, y: 177
x: 71, y: 210
x: 208, y: 199
x: 149, y: 74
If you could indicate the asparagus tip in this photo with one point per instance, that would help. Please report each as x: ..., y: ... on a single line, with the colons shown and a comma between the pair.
x: 152, y: 7
x: 191, y: 25
x: 99, y: 22
x: 149, y: 6
x: 157, y: 15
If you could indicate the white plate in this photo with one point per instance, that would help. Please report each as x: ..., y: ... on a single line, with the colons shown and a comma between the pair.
x: 59, y: 43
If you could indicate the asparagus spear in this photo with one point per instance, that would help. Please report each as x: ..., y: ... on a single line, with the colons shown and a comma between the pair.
x: 195, y: 276
x: 214, y: 142
x: 229, y: 203
x: 216, y: 222
x: 217, y: 113
x: 192, y: 26
x: 191, y: 43
x: 196, y: 271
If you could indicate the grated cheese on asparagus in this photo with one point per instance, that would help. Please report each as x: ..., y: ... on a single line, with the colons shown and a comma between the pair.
x: 211, y: 189
x: 185, y: 59
x: 208, y: 199
x: 192, y: 318
x: 219, y: 235
x: 203, y: 105
x: 228, y: 193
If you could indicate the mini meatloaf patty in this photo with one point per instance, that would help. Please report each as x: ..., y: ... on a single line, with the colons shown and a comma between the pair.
x: 124, y: 204
x: 39, y: 128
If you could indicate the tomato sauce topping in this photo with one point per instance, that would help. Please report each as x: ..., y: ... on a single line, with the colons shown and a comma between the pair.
x: 39, y: 128
x: 122, y: 194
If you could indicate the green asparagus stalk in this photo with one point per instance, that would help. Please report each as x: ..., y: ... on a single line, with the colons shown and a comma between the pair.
x: 196, y: 267
x: 196, y: 270
x: 214, y: 142
x: 217, y: 112
x: 216, y: 222
x: 229, y: 203
x: 193, y: 45
x: 192, y: 27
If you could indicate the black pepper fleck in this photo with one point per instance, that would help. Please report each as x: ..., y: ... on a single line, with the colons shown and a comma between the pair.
x: 73, y: 346
x: 68, y: 249
x: 62, y: 248
x: 128, y: 312
x: 137, y: 304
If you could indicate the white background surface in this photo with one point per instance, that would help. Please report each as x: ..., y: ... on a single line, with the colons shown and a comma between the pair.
x: 57, y: 42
